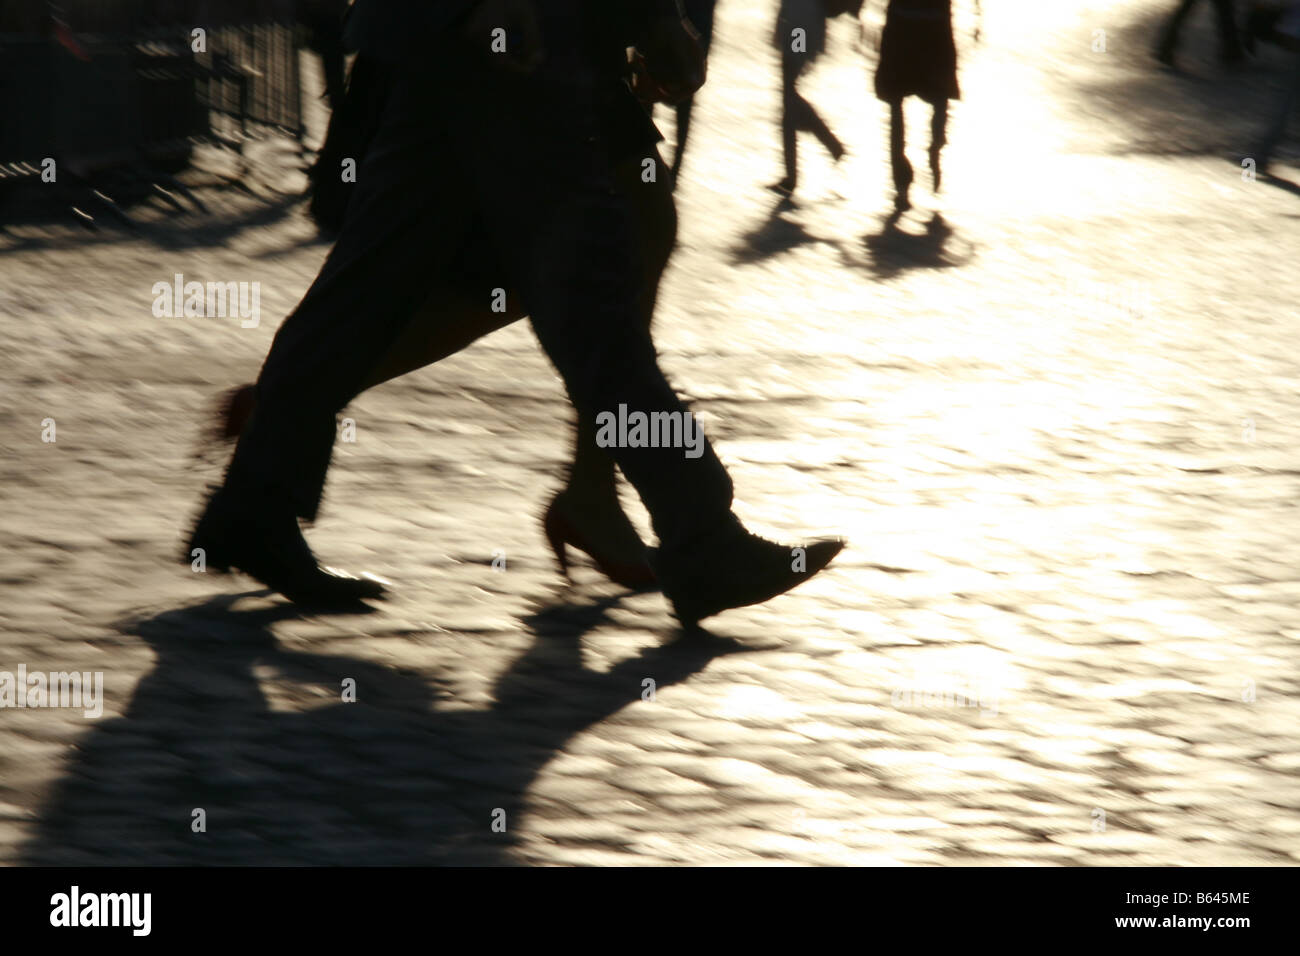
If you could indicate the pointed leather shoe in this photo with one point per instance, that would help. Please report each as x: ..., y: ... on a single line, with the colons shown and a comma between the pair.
x: 267, y: 544
x: 735, y: 568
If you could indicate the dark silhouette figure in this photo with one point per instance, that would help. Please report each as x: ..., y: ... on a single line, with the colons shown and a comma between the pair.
x: 700, y: 13
x: 387, y: 779
x: 323, y: 20
x: 918, y: 57
x: 1275, y: 23
x: 506, y: 148
x: 801, y: 37
x: 586, y: 513
x: 892, y: 251
x: 1230, y: 50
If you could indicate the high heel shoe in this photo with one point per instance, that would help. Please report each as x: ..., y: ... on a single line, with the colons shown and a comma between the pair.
x: 560, y: 532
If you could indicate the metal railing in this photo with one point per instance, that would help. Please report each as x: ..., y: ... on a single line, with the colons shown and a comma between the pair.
x: 97, y: 82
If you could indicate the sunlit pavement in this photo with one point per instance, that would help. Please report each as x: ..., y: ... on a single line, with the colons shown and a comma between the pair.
x: 1058, y: 430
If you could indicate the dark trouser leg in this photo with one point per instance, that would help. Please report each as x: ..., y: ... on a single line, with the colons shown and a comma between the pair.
x: 809, y: 119
x: 401, y: 224
x: 452, y: 318
x: 1229, y: 41
x: 584, y: 312
x: 591, y: 476
x: 1169, y: 36
x: 790, y: 100
x: 798, y: 113
x: 1285, y: 107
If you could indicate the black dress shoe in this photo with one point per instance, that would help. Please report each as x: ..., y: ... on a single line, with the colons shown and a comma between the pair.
x: 265, y: 543
x: 734, y: 568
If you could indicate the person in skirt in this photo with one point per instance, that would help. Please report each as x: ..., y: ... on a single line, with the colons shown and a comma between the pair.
x: 918, y: 57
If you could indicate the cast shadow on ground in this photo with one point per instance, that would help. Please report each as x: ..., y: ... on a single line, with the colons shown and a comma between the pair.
x: 882, y: 255
x: 1279, y: 182
x: 774, y: 235
x: 388, y: 779
x: 892, y: 251
x: 1201, y: 108
x: 113, y: 204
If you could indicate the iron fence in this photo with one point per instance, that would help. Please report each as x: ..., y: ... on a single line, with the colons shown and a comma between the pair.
x: 95, y: 82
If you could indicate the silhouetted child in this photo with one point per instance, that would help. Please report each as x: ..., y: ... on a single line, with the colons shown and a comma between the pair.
x: 918, y: 57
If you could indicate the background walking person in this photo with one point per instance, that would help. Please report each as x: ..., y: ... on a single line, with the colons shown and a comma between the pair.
x: 801, y: 38
x: 700, y: 15
x: 918, y: 57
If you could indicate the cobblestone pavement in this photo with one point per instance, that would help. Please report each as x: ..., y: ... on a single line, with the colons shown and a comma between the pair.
x: 1058, y: 429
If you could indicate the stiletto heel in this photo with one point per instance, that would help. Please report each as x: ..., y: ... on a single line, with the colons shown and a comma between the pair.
x: 560, y: 532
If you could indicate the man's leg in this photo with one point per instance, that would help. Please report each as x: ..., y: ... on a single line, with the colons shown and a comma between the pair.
x: 457, y: 312
x: 402, y: 224
x: 1285, y: 107
x: 588, y: 504
x: 1169, y: 35
x: 1229, y: 41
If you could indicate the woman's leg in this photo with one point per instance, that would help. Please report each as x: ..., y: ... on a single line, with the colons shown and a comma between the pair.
x: 938, y: 139
x: 898, y: 156
x: 589, y: 499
